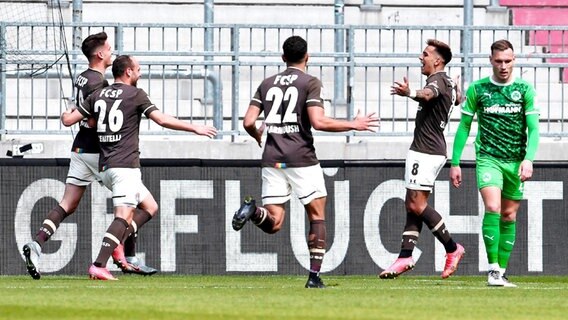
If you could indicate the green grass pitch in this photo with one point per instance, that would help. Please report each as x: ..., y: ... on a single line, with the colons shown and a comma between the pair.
x: 281, y: 297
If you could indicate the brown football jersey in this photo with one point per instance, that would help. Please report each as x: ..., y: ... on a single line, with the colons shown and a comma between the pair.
x: 87, y: 82
x: 118, y: 109
x: 432, y: 116
x: 285, y: 98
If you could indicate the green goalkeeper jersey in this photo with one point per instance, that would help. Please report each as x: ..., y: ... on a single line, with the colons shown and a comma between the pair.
x: 501, y: 115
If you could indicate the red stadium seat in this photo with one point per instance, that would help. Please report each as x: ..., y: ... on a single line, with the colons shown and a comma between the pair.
x: 532, y: 3
x: 543, y: 13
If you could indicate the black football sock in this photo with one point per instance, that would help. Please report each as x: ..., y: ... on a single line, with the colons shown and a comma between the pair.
x: 263, y: 220
x: 50, y: 224
x: 140, y: 218
x: 436, y: 224
x: 410, y: 234
x: 130, y: 245
x: 316, y: 244
x: 111, y: 240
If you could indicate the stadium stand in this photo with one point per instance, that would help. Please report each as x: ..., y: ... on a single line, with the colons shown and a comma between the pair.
x: 169, y: 35
x: 543, y: 13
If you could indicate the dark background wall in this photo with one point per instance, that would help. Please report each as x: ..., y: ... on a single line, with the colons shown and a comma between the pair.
x: 192, y: 232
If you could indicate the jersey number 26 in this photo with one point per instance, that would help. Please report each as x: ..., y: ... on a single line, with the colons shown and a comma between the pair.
x: 115, y: 117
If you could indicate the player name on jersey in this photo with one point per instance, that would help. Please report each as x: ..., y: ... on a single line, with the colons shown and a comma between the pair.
x: 282, y: 129
x: 110, y: 138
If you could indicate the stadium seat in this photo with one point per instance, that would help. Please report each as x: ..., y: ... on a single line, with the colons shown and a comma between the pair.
x: 543, y: 13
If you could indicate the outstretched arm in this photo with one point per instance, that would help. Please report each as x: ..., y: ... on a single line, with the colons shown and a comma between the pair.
x: 402, y: 89
x: 321, y: 122
x: 167, y: 121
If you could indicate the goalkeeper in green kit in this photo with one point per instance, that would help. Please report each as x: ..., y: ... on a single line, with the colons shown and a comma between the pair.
x: 505, y: 148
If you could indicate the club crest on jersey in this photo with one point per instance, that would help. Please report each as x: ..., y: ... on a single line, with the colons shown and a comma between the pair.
x: 515, y: 95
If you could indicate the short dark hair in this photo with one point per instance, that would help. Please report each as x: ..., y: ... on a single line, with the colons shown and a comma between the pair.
x: 92, y: 42
x: 442, y: 48
x: 295, y: 49
x: 501, y: 45
x: 120, y: 64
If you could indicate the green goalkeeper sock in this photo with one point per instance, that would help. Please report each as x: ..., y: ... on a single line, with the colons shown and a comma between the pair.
x: 506, y: 242
x: 490, y: 231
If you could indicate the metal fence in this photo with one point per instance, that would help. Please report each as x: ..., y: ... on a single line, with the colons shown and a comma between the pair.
x: 214, y: 85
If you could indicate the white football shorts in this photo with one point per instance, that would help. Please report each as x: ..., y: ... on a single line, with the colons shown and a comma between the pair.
x: 83, y: 169
x: 306, y: 182
x: 126, y: 185
x: 422, y: 169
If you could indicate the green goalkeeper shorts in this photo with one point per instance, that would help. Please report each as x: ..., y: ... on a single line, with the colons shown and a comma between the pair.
x: 493, y: 172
